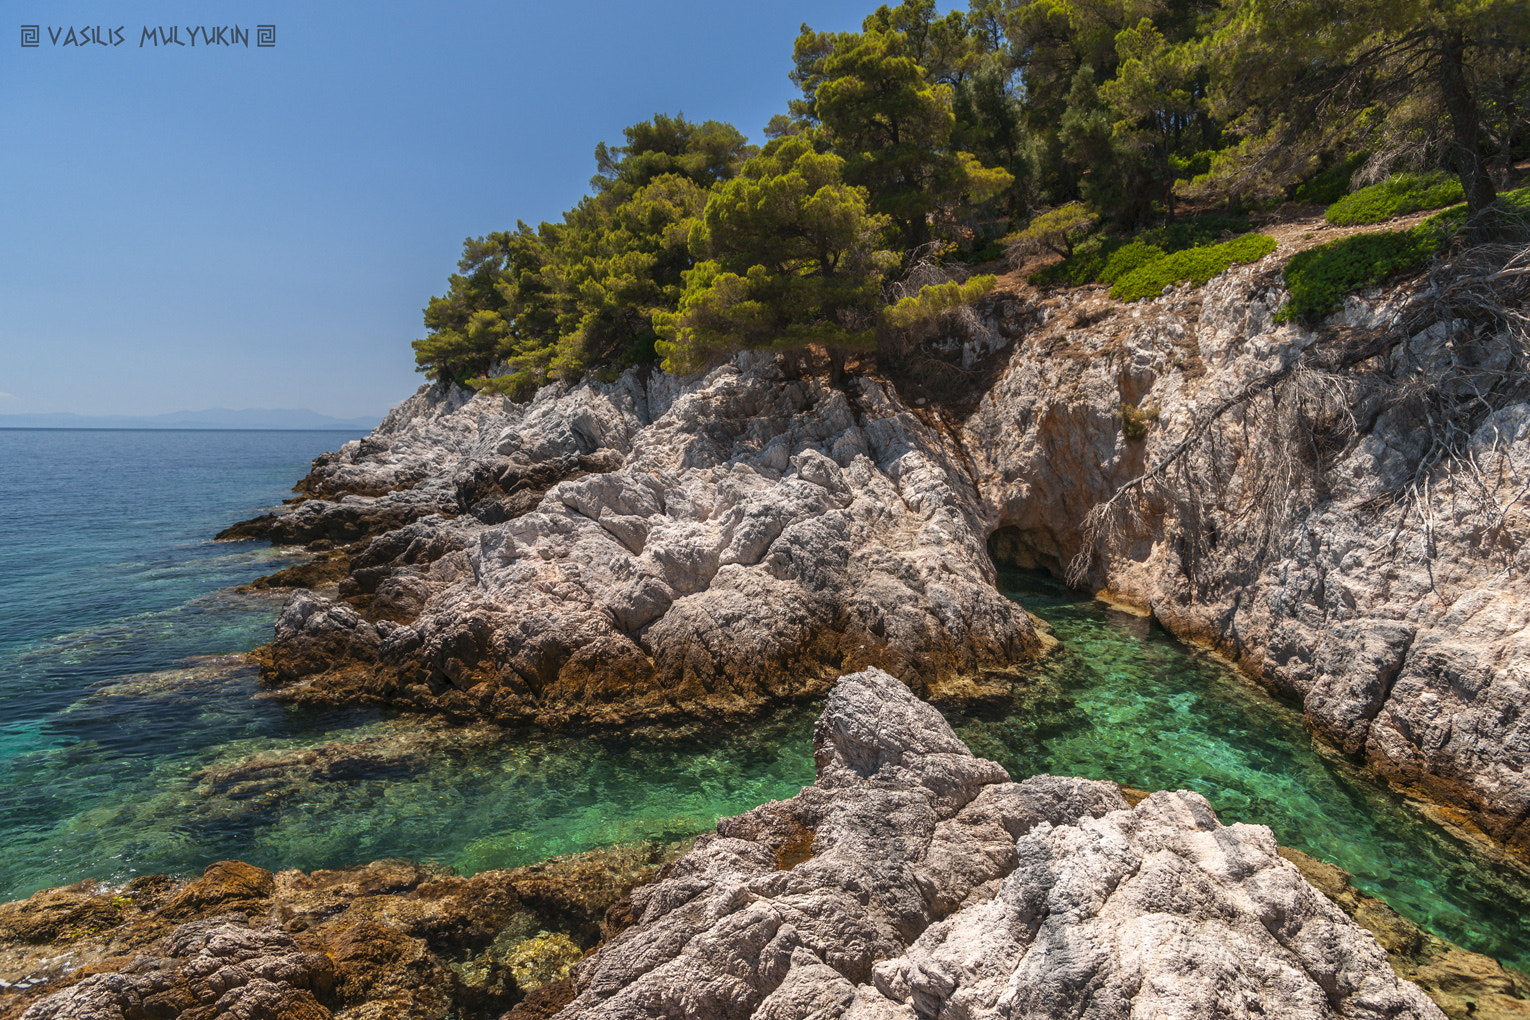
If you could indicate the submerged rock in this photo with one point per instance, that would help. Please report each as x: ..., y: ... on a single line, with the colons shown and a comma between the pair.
x: 389, y: 939
x: 935, y: 886
x: 1463, y: 984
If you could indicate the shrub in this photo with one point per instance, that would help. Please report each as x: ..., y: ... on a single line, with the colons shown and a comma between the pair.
x: 1397, y: 196
x: 1124, y: 260
x: 1136, y: 420
x: 935, y: 299
x: 1328, y: 186
x: 1082, y: 267
x: 1099, y: 258
x: 1318, y: 278
x: 1193, y: 265
x: 1194, y: 231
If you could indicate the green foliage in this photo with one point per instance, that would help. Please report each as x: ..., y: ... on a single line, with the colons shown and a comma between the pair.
x: 1329, y: 185
x: 791, y: 256
x: 702, y: 153
x: 926, y: 126
x: 935, y: 300
x: 1319, y: 278
x: 1194, y: 231
x: 894, y: 126
x: 1397, y: 196
x: 1421, y: 83
x: 1128, y: 258
x: 1056, y: 230
x: 1091, y: 261
x: 1192, y: 265
x: 1083, y: 267
x: 547, y: 302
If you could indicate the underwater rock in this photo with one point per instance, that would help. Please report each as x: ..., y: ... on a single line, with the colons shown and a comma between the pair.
x: 391, y: 939
x: 1463, y: 984
x: 935, y: 886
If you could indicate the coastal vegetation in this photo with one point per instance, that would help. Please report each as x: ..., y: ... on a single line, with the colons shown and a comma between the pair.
x: 1130, y: 138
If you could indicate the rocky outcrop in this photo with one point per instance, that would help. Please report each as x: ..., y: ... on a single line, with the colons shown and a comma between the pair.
x: 388, y: 939
x: 1463, y: 984
x: 662, y: 550
x: 913, y: 879
x: 749, y: 538
x: 1313, y: 529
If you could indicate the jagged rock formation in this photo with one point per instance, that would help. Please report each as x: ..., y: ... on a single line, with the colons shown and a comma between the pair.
x: 662, y: 550
x: 913, y: 879
x: 1318, y: 532
x: 1466, y: 986
x: 649, y: 550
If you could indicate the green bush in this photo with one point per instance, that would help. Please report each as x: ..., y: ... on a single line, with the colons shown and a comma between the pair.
x: 1194, y: 231
x: 1135, y: 421
x: 1193, y: 265
x: 1318, y: 278
x: 1515, y: 204
x: 1082, y: 267
x: 1125, y: 259
x: 1095, y: 259
x: 1328, y: 186
x: 1398, y: 196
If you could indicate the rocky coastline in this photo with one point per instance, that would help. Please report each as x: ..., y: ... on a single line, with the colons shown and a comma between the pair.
x: 675, y: 553
x: 668, y: 555
x: 911, y: 878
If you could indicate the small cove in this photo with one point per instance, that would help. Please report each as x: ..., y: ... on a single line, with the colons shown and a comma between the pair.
x: 131, y: 743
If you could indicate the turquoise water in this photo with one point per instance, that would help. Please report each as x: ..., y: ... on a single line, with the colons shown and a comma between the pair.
x: 1124, y: 701
x: 131, y: 742
x: 127, y: 746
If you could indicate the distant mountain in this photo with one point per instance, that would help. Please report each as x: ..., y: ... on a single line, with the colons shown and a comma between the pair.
x: 214, y: 418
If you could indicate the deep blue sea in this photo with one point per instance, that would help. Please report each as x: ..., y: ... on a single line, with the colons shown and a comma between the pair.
x: 133, y: 740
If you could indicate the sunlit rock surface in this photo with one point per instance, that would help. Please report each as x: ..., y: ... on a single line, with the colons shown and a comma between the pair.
x: 661, y: 550
x: 914, y: 879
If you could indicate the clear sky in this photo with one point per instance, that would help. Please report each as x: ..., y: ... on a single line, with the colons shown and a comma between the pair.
x: 185, y: 227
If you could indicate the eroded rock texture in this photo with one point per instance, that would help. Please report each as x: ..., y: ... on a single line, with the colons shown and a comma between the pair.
x: 1316, y: 531
x: 649, y: 550
x: 916, y: 880
x: 657, y: 550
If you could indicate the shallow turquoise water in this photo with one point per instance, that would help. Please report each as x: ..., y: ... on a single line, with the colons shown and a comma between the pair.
x: 127, y: 746
x: 1124, y: 701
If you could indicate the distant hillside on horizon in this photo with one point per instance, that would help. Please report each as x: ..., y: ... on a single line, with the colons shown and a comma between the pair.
x: 213, y: 418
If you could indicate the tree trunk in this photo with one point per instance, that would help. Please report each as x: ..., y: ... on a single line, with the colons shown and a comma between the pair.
x: 1462, y: 108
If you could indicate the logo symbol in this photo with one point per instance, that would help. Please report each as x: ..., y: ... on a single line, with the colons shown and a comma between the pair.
x: 265, y: 35
x: 29, y: 35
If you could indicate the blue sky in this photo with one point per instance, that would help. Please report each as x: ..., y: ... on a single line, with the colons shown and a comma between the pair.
x: 190, y: 227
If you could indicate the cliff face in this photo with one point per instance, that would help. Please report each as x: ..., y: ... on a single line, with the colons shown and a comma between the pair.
x: 1314, y: 504
x: 1332, y: 524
